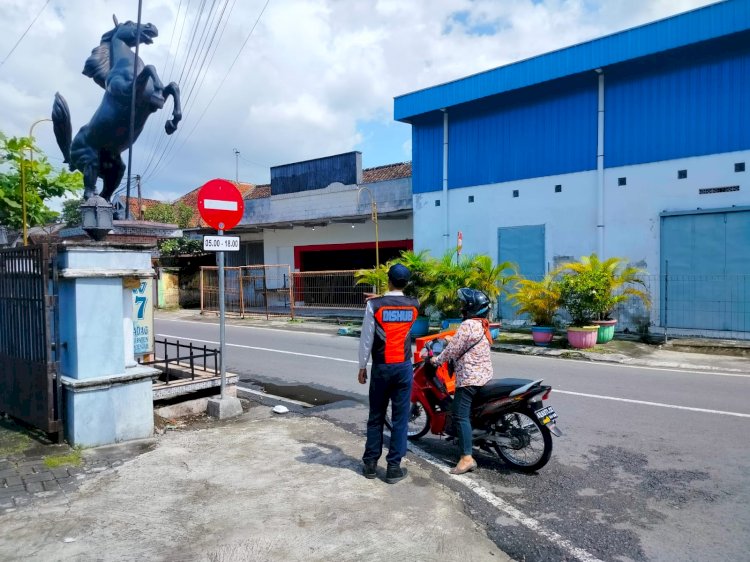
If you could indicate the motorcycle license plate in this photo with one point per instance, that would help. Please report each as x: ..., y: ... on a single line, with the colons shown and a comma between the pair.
x: 546, y: 415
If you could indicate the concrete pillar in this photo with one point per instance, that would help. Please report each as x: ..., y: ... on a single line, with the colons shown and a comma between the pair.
x: 107, y: 396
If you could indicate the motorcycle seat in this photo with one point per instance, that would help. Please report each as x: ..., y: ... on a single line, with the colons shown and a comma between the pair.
x: 498, y: 388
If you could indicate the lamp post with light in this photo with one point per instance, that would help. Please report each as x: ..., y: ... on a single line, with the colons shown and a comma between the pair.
x: 23, y: 178
x: 374, y: 210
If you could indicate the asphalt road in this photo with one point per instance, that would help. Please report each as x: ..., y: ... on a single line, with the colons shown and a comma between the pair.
x: 654, y: 464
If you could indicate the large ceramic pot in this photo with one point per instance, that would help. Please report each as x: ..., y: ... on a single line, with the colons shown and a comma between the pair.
x: 542, y: 335
x: 420, y: 327
x: 583, y: 337
x: 606, y: 330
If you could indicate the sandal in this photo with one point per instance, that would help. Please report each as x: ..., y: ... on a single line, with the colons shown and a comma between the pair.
x: 456, y: 470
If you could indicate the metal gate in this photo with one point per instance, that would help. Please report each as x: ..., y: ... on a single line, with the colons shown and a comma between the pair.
x: 30, y: 389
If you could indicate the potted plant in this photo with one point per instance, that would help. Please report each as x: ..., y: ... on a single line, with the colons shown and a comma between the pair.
x: 578, y: 294
x: 540, y: 300
x: 616, y: 283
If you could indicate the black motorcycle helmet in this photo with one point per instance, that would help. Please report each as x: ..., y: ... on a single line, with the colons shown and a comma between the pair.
x: 474, y: 303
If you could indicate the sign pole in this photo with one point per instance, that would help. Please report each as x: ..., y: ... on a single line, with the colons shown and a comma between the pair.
x: 221, y: 206
x: 222, y: 327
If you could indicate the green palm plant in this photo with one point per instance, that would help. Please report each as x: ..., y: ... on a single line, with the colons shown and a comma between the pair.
x: 613, y: 282
x: 420, y: 264
x: 377, y: 278
x: 539, y: 299
x: 446, y: 278
x: 491, y: 279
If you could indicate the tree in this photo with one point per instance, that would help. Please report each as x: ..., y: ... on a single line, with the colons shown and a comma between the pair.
x: 180, y: 246
x: 71, y: 212
x: 179, y: 214
x: 43, y: 182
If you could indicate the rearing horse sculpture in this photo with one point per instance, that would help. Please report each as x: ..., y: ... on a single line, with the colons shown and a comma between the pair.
x: 95, y: 150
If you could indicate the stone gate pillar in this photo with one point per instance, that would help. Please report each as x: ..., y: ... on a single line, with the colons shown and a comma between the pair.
x: 107, y: 396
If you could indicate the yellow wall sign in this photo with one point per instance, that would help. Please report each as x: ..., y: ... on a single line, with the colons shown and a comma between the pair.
x: 143, y: 317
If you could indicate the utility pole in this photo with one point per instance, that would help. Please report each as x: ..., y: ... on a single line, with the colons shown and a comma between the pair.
x: 132, y: 111
x: 237, y: 167
x: 139, y: 214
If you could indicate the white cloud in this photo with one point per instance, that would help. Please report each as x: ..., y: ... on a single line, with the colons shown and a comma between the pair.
x: 312, y: 70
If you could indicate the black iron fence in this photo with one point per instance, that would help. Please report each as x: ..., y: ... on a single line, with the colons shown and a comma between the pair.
x: 185, y: 356
x: 30, y: 389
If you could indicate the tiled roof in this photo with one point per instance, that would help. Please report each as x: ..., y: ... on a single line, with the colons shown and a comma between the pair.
x: 260, y: 192
x: 191, y: 200
x: 135, y: 212
x: 387, y: 172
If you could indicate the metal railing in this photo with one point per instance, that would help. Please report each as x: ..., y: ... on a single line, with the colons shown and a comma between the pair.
x: 253, y: 290
x: 328, y: 292
x: 276, y: 291
x: 185, y: 354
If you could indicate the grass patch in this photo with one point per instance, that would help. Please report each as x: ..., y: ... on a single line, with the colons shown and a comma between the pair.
x: 12, y: 443
x: 74, y: 458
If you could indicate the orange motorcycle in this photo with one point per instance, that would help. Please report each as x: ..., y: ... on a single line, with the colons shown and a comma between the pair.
x: 508, y: 416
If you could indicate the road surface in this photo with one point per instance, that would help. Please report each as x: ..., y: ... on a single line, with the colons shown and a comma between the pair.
x: 654, y: 463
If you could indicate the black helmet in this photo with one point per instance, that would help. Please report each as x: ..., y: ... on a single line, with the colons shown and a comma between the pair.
x: 399, y: 275
x: 474, y: 304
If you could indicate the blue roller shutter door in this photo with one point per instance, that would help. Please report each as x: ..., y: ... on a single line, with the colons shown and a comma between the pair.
x: 522, y: 245
x: 705, y: 269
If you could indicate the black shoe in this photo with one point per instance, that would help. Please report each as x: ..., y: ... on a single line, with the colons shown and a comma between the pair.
x: 394, y: 474
x: 368, y: 470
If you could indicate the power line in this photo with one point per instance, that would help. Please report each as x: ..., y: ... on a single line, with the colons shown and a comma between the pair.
x: 218, y: 89
x: 189, y: 65
x: 161, y: 142
x: 24, y: 33
x: 203, y: 69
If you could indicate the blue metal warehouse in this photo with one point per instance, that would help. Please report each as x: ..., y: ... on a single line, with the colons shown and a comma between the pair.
x: 634, y: 144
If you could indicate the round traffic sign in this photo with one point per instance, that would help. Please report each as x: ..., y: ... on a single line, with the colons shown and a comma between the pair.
x: 220, y: 204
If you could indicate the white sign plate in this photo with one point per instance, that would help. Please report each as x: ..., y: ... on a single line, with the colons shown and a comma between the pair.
x: 221, y: 243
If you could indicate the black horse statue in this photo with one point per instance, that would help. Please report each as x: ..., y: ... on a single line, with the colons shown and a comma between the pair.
x: 95, y: 150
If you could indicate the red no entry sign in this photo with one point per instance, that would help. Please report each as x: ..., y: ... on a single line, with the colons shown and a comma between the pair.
x: 220, y: 204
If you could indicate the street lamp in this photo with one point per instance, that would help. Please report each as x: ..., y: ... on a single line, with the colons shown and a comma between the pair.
x: 23, y: 178
x: 96, y: 217
x: 374, y: 209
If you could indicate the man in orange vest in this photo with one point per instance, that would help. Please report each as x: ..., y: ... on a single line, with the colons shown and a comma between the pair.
x: 385, y: 334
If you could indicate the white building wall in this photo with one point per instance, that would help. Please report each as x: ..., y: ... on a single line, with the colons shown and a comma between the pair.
x: 279, y: 244
x: 631, y: 211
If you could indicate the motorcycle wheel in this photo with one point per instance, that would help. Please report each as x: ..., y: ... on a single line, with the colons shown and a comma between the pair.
x: 419, y: 421
x: 533, y: 442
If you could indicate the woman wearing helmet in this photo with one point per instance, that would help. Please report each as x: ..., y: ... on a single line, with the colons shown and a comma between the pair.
x: 470, y: 349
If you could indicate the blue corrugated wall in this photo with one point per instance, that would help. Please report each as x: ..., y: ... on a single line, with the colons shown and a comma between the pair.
x: 427, y: 153
x: 685, y: 110
x: 524, y: 135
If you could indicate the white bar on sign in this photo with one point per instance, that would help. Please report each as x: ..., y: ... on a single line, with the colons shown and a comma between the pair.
x: 220, y: 205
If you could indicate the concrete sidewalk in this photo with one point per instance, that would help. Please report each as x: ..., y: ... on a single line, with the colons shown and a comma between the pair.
x: 261, y: 487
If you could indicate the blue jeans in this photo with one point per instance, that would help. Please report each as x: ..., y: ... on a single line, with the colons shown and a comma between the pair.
x: 388, y: 383
x: 461, y: 412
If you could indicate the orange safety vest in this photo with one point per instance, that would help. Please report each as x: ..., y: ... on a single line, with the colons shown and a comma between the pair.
x: 394, y: 316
